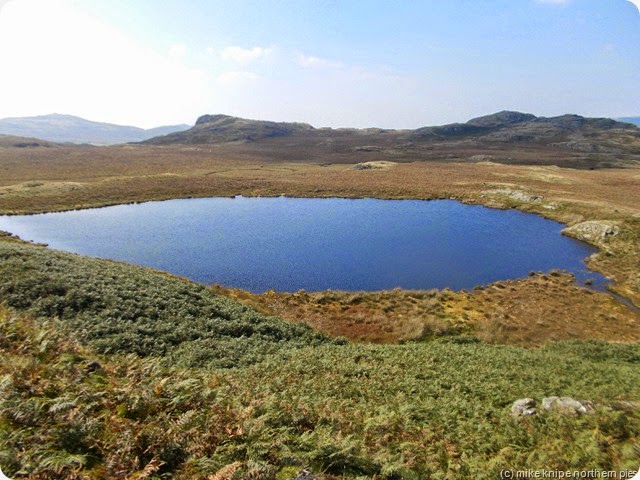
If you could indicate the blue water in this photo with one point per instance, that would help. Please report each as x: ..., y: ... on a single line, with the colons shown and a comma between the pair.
x: 289, y: 244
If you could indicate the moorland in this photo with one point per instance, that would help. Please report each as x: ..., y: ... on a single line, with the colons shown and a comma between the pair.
x: 114, y: 371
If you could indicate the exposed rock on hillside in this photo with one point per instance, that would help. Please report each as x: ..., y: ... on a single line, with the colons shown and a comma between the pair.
x: 523, y: 407
x: 564, y: 405
x: 381, y: 165
x: 515, y: 194
x: 592, y: 231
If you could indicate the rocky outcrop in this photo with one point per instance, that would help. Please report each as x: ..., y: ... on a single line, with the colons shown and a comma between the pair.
x: 564, y: 405
x: 481, y: 158
x: 593, y: 231
x: 368, y: 148
x: 515, y: 194
x: 523, y: 407
x: 380, y: 165
x: 501, y: 119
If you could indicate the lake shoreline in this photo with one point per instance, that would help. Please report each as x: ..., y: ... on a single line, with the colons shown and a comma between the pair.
x: 523, y: 205
x: 352, y: 237
x: 564, y: 195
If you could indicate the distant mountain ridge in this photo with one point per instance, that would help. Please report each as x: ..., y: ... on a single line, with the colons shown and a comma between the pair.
x: 71, y: 129
x: 504, y: 126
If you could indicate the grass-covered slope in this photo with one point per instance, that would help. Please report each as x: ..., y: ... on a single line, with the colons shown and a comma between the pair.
x: 435, y: 410
x: 117, y: 308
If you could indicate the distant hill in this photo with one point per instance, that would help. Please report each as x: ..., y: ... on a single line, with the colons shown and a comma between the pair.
x: 521, y: 127
x: 589, y: 141
x: 499, y: 127
x: 23, y: 142
x: 224, y: 129
x: 634, y: 120
x: 67, y: 128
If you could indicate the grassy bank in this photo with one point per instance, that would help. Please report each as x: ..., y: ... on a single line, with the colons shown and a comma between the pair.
x: 434, y: 410
x: 117, y: 308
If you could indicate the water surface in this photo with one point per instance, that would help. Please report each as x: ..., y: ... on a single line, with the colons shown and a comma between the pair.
x: 316, y: 244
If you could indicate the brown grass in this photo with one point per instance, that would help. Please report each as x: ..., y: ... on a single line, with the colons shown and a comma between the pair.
x: 527, y: 312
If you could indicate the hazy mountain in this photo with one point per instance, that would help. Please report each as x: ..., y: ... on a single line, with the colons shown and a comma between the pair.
x: 634, y: 120
x: 67, y: 128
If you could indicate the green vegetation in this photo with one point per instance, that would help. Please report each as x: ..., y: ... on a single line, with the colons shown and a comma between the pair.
x: 112, y: 371
x: 116, y: 308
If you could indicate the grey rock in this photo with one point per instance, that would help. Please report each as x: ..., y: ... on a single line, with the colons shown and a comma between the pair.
x: 523, y: 407
x: 376, y: 165
x: 368, y: 148
x: 481, y: 158
x: 565, y: 405
x: 592, y: 231
x: 515, y: 194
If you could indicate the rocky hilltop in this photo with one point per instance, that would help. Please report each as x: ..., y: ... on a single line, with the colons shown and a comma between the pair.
x: 499, y: 127
x: 506, y: 137
x: 225, y: 129
x: 519, y: 127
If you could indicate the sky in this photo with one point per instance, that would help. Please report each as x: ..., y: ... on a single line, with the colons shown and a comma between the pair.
x: 357, y: 63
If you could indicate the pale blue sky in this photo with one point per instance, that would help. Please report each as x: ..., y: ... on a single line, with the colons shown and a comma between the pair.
x: 396, y: 64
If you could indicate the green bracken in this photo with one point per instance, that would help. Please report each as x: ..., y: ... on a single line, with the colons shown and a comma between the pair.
x: 117, y: 308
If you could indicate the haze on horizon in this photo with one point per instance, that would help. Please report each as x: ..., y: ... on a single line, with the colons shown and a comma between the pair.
x: 329, y: 63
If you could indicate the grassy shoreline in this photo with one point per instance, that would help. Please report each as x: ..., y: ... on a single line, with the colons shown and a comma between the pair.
x: 560, y: 194
x: 567, y: 214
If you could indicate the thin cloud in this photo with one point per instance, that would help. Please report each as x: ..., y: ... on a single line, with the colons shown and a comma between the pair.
x: 235, y: 77
x: 179, y: 50
x: 245, y: 55
x: 309, y: 61
x: 636, y: 3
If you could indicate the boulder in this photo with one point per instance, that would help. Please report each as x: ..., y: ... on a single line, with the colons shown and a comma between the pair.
x: 593, y: 231
x: 377, y: 165
x: 564, y: 405
x: 515, y: 194
x: 523, y: 407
